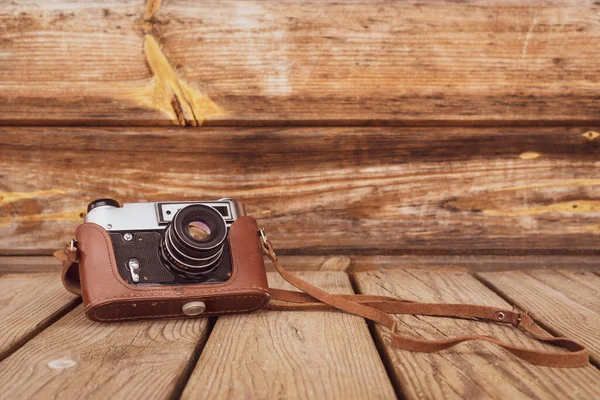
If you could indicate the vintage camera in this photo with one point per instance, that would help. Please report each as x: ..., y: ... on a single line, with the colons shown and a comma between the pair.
x: 169, y: 243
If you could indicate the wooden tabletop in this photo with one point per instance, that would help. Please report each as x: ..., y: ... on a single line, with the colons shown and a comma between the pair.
x: 434, y: 150
x: 50, y: 350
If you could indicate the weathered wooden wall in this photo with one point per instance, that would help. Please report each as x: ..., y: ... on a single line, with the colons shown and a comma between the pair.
x: 251, y: 61
x: 501, y: 156
x: 326, y: 190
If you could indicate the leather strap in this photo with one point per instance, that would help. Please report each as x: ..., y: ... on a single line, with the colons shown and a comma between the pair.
x: 70, y: 269
x: 379, y: 308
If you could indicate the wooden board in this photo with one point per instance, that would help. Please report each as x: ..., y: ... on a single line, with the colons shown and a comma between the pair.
x: 78, y: 358
x: 320, y: 190
x: 567, y: 302
x: 472, y: 263
x: 352, y: 263
x: 28, y: 264
x: 30, y: 303
x: 472, y: 369
x: 291, y: 354
x: 272, y: 62
x: 71, y: 62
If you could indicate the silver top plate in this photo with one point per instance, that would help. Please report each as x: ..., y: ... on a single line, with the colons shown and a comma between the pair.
x: 153, y: 216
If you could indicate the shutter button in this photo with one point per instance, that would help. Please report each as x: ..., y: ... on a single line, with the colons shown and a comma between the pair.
x: 194, y: 308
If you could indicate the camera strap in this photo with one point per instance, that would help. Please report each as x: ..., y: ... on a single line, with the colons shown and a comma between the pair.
x: 379, y: 308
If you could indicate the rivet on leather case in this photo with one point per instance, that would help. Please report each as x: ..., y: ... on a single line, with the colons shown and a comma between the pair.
x: 194, y: 308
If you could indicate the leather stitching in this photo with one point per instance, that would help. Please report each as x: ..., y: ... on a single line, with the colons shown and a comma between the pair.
x: 264, y: 300
x: 171, y: 295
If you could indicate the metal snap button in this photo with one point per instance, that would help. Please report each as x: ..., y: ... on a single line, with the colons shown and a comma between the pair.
x: 194, y: 308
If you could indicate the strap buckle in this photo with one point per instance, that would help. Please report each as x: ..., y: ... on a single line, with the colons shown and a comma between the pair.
x: 521, y: 315
x: 265, y: 244
x: 73, y: 245
x: 69, y: 252
x: 263, y: 235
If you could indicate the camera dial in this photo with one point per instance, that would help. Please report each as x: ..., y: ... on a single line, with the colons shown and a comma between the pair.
x: 102, y: 202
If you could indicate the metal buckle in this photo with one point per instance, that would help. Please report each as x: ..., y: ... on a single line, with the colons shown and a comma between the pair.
x: 520, y: 316
x: 263, y: 235
x: 73, y: 245
x: 265, y: 245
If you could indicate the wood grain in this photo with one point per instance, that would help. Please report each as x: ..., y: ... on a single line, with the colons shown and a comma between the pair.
x: 28, y: 304
x: 78, y: 358
x: 29, y: 264
x: 320, y: 190
x: 71, y: 62
x: 567, y: 302
x: 473, y: 263
x: 352, y: 263
x: 473, y: 369
x: 302, y: 355
x: 272, y: 62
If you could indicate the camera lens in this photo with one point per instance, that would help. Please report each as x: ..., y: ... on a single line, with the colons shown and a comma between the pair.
x: 199, y: 230
x: 193, y: 243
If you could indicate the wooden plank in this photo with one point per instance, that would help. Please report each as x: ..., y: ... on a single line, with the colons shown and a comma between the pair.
x: 29, y: 304
x: 72, y: 62
x: 302, y: 355
x: 28, y: 264
x: 467, y: 263
x: 78, y: 358
x: 352, y: 263
x: 567, y: 302
x: 473, y: 369
x: 320, y: 191
x: 269, y: 62
x: 581, y: 286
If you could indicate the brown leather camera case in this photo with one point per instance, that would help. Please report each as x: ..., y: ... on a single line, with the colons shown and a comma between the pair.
x: 107, y: 297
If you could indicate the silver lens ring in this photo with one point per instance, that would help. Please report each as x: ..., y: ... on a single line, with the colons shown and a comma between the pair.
x: 179, y: 269
x: 208, y: 265
x: 172, y: 246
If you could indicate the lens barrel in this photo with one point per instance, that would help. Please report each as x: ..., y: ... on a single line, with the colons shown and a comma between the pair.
x: 186, y: 253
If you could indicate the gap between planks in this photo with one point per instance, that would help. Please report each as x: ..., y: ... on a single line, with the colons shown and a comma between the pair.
x: 379, y: 345
x: 353, y: 263
x: 474, y: 368
x: 187, y: 370
x: 544, y: 325
x: 30, y: 304
x: 298, y: 354
x: 193, y: 361
x: 564, y: 301
x: 102, y: 349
